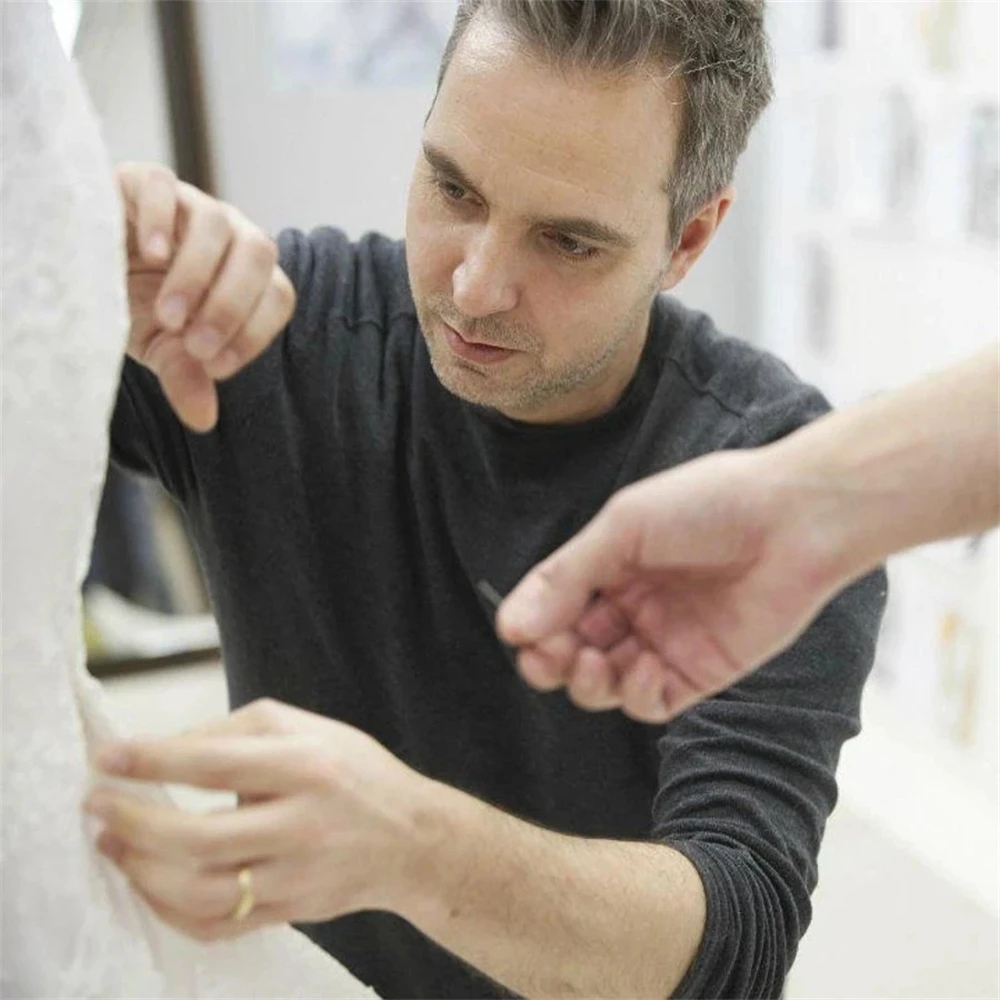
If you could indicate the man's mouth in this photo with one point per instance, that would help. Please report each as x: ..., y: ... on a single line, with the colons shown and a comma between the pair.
x: 475, y: 351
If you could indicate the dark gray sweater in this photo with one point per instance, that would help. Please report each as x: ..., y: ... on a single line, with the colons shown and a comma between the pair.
x: 344, y: 509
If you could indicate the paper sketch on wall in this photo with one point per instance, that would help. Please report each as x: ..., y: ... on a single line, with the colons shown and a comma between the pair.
x: 819, y: 297
x: 830, y: 27
x: 358, y: 43
x: 824, y: 175
x: 930, y: 648
x: 885, y: 162
x: 984, y: 180
x: 938, y: 24
x: 902, y: 177
x: 958, y: 663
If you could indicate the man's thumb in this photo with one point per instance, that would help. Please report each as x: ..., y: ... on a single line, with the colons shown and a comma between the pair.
x: 555, y: 593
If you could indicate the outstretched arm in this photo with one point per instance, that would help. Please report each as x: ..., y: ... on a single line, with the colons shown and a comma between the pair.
x: 689, y: 580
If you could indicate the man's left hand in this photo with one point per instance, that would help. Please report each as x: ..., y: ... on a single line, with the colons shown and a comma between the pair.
x: 329, y: 822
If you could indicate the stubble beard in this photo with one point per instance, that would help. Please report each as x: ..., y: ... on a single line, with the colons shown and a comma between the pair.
x: 515, y: 392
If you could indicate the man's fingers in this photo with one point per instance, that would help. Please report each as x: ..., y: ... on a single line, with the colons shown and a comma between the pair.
x: 215, y: 839
x: 205, y: 929
x: 554, y: 594
x: 592, y: 683
x: 252, y: 765
x: 176, y: 886
x: 546, y: 664
x: 641, y: 689
x: 263, y: 717
x: 157, y: 218
x: 270, y: 317
x: 149, y: 195
x: 540, y: 671
x: 234, y: 295
x: 189, y: 390
x: 603, y: 624
x: 623, y: 654
x: 207, y: 237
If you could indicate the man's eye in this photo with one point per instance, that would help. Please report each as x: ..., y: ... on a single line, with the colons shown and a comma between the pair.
x: 573, y: 248
x: 451, y: 190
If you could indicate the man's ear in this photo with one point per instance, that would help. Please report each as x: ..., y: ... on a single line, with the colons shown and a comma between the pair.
x: 697, y: 235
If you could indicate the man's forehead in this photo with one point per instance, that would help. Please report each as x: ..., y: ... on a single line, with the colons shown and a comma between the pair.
x: 574, y: 138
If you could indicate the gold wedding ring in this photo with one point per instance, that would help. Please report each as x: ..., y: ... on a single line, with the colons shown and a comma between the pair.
x: 247, y: 899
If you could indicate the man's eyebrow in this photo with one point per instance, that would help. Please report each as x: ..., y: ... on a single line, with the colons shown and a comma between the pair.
x: 444, y: 164
x: 586, y: 229
x: 589, y: 229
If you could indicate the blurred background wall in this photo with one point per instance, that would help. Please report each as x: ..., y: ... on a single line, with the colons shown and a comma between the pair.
x: 862, y: 250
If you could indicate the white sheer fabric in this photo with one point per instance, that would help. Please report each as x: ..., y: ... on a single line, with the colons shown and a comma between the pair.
x: 70, y: 925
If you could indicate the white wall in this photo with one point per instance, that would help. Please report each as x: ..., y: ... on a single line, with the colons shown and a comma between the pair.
x: 888, y: 926
x: 118, y: 53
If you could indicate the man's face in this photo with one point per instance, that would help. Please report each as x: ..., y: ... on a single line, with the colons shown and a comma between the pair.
x: 537, y: 229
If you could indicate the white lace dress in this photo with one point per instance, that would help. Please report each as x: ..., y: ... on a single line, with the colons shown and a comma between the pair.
x: 70, y: 925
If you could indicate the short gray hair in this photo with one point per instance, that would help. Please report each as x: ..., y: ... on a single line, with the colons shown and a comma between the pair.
x: 717, y: 48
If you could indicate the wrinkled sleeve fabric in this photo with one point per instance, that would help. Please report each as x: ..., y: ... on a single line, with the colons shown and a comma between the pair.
x: 747, y: 779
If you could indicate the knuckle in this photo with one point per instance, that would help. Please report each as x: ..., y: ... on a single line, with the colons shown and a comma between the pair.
x: 578, y: 697
x: 207, y: 845
x: 619, y: 509
x: 214, y: 221
x: 311, y: 834
x: 194, y: 845
x: 283, y: 291
x: 157, y: 173
x: 267, y: 713
x: 218, y: 773
x: 125, y: 172
x: 322, y: 769
x: 261, y: 250
x: 225, y: 314
x: 143, y: 763
x: 269, y: 707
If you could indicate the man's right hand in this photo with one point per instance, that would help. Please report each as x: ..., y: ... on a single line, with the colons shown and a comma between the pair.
x: 680, y: 586
x: 206, y: 295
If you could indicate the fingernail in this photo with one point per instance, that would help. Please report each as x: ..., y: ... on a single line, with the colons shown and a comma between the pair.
x: 158, y: 248
x: 173, y: 312
x: 203, y: 343
x: 114, y: 760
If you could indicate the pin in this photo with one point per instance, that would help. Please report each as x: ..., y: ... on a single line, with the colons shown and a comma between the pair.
x: 490, y: 593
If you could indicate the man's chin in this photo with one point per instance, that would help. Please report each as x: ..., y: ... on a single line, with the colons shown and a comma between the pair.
x: 468, y: 383
x: 460, y: 380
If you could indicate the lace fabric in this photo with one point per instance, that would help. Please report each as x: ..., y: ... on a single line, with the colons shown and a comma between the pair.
x: 71, y: 927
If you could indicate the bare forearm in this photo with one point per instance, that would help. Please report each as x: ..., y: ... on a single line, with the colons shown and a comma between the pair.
x: 550, y: 915
x: 900, y: 470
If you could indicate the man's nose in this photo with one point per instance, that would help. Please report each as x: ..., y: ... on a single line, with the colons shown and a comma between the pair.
x: 485, y: 283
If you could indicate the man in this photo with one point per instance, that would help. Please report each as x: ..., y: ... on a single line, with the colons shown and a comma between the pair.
x: 715, y: 567
x: 434, y: 421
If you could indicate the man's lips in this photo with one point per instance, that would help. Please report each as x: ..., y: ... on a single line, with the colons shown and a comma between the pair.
x: 471, y: 350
